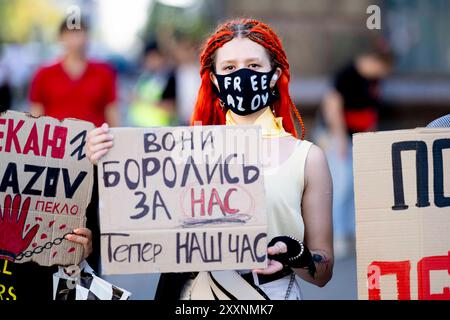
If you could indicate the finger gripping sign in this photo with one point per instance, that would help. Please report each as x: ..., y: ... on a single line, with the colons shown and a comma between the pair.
x: 402, y: 200
x: 45, y: 187
x: 182, y: 199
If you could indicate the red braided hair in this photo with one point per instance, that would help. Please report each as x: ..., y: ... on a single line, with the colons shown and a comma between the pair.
x: 207, y: 109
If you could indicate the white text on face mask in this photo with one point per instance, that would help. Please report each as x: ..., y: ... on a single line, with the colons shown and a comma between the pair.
x: 258, y: 99
x: 230, y: 102
x: 255, y: 83
x: 236, y: 83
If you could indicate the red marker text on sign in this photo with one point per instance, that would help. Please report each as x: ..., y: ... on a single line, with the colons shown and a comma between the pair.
x: 213, y: 200
x: 424, y: 266
x: 37, y: 144
x: 402, y: 271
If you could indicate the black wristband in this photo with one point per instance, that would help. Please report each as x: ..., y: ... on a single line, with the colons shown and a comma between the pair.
x: 297, y: 255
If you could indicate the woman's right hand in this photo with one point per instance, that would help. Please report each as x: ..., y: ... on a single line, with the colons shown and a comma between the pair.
x: 99, y: 141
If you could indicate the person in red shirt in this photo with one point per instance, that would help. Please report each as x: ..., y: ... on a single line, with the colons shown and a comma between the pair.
x: 75, y: 87
x: 72, y: 88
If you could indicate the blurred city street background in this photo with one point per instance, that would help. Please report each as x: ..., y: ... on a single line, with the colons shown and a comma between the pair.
x: 320, y: 36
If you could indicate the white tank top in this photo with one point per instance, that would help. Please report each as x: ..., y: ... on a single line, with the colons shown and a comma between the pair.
x: 284, y: 189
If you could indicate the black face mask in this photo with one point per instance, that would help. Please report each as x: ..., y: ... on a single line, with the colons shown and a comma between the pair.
x: 246, y: 91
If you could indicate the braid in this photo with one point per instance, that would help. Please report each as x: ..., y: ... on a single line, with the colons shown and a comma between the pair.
x: 300, y: 120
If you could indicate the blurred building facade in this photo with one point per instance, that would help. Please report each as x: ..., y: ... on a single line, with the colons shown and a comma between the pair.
x: 320, y: 36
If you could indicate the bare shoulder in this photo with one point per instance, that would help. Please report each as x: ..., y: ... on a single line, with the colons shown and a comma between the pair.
x: 316, y: 156
x: 316, y: 166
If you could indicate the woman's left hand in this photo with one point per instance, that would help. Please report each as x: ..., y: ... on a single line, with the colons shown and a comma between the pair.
x: 273, y: 265
x: 82, y: 236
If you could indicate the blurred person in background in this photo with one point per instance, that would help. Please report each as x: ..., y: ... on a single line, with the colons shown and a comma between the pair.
x: 5, y: 88
x: 351, y: 106
x: 74, y: 86
x: 5, y: 94
x: 187, y: 77
x: 18, y: 61
x: 154, y: 101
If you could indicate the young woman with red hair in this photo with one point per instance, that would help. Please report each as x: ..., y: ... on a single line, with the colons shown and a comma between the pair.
x: 245, y: 80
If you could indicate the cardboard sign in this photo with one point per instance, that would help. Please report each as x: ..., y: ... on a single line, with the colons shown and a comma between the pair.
x: 402, y: 198
x: 45, y: 187
x: 182, y: 199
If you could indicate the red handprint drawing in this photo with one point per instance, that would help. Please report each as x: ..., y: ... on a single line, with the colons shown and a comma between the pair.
x: 12, y: 241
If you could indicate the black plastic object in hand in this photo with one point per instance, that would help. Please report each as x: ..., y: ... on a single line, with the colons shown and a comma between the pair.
x: 297, y: 255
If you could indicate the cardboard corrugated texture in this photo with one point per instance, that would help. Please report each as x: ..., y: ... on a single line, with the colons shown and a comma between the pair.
x: 402, y: 202
x: 182, y: 199
x: 43, y: 164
